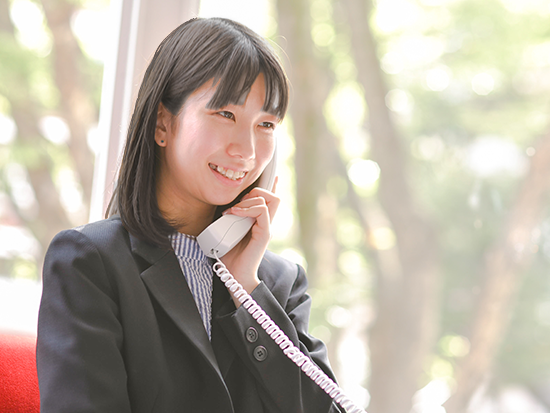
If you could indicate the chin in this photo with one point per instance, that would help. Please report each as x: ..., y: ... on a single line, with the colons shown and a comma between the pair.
x: 224, y: 202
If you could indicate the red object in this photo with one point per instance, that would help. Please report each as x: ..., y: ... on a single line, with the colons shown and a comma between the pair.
x: 18, y: 379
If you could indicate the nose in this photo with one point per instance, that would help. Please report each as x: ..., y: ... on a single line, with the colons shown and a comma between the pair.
x: 242, y: 144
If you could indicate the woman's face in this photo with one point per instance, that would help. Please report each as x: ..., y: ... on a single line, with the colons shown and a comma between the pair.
x: 209, y: 156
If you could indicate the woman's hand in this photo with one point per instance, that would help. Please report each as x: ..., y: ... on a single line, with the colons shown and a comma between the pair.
x: 244, y: 259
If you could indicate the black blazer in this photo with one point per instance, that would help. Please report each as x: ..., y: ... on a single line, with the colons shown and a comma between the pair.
x: 119, y: 332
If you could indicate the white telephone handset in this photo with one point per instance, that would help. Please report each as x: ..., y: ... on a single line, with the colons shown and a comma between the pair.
x: 218, y: 239
x: 227, y: 231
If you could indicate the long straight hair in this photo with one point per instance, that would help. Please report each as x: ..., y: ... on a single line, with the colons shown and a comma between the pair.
x: 219, y: 50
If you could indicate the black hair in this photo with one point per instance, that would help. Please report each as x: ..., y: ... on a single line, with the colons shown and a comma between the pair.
x: 200, y: 50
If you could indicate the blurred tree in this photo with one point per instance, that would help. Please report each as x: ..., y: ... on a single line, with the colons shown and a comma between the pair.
x: 41, y: 83
x: 463, y: 185
x: 503, y: 270
x: 312, y: 83
x: 76, y: 105
x: 311, y: 79
x: 447, y: 249
x: 407, y: 299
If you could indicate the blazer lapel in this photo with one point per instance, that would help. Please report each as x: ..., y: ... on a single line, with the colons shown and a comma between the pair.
x: 167, y: 284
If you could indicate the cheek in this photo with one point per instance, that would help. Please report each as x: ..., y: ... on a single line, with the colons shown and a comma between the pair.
x: 191, y: 148
x: 265, y: 150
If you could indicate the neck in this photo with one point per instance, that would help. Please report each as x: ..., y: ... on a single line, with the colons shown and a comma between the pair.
x: 185, y: 213
x: 189, y: 223
x: 185, y: 217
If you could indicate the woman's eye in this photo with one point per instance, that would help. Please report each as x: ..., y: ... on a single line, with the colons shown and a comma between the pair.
x: 268, y: 125
x: 227, y: 114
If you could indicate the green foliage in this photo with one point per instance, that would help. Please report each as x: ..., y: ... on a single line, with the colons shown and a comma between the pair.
x: 459, y: 73
x: 524, y: 357
x: 25, y: 76
x: 30, y: 90
x: 464, y: 76
x: 24, y: 268
x: 506, y: 53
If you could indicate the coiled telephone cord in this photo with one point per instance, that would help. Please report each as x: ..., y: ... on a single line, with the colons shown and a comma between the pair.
x: 282, y: 340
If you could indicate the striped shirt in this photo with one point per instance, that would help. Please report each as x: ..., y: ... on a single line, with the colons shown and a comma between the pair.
x: 198, y: 272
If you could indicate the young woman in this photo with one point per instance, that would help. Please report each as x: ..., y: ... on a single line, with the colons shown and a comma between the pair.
x: 132, y: 318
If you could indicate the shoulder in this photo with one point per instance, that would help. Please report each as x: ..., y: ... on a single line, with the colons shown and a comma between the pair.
x: 275, y: 264
x: 279, y: 273
x: 104, y: 233
x: 98, y: 239
x: 98, y: 254
x: 81, y: 257
x: 103, y: 230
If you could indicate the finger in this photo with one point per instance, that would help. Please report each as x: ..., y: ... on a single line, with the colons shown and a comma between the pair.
x: 253, y: 211
x: 270, y: 200
x: 259, y: 212
x: 257, y: 200
x: 261, y: 192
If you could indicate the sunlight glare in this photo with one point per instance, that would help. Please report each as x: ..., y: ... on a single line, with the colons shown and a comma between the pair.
x: 392, y: 63
x: 20, y: 299
x: 382, y: 238
x: 527, y: 6
x: 352, y: 263
x: 353, y: 357
x: 29, y: 20
x: 346, y: 107
x: 95, y: 139
x: 392, y: 15
x: 412, y: 51
x: 400, y: 101
x: 419, y: 51
x: 294, y: 256
x: 8, y: 129
x: 55, y: 129
x: 355, y: 142
x: 439, y: 78
x: 363, y: 173
x: 23, y: 193
x: 283, y: 222
x: 483, y: 84
x: 537, y: 56
x: 17, y: 241
x: 436, y: 3
x: 455, y: 345
x: 489, y: 156
x: 430, y: 398
x: 323, y: 34
x: 70, y: 190
x: 88, y: 25
x: 338, y: 317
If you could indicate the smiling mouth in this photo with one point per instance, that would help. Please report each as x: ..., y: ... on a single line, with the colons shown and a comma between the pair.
x: 228, y: 173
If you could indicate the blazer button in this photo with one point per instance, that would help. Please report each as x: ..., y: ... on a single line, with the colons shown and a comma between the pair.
x: 251, y: 335
x: 260, y: 353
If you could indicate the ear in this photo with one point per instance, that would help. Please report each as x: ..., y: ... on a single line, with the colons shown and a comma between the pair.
x: 163, y: 128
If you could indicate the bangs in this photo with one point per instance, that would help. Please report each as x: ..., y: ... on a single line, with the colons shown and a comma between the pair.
x: 239, y: 72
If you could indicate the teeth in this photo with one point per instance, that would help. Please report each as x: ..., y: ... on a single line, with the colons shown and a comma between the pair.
x: 228, y: 173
